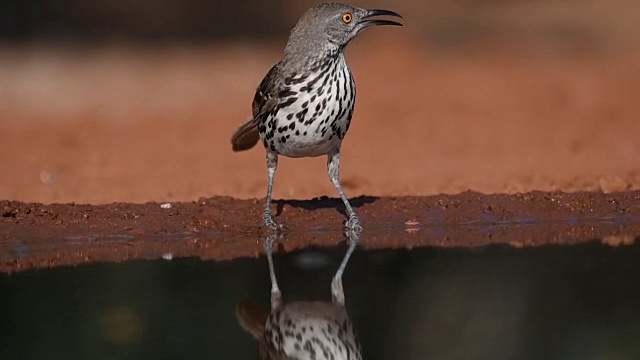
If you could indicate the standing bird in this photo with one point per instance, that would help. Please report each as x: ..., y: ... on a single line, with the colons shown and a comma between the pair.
x: 303, y: 106
x: 303, y: 330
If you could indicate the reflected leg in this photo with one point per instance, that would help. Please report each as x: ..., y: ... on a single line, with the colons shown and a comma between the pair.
x: 337, y: 291
x: 276, y: 295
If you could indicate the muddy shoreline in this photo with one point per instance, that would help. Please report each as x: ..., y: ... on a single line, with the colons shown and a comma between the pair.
x: 34, y: 235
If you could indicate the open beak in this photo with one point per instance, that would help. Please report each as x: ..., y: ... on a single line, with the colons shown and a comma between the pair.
x: 367, y: 21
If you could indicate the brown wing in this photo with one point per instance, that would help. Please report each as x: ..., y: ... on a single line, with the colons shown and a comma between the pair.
x: 264, y: 101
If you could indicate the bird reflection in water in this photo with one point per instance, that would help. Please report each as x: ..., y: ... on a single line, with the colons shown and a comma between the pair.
x: 304, y: 329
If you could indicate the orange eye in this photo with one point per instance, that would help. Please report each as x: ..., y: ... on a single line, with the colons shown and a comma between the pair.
x: 347, y: 17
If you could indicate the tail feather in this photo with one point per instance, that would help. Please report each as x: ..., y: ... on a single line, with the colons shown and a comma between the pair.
x: 251, y: 317
x: 245, y: 137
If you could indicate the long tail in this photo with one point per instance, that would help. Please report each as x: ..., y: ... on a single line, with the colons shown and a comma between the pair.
x: 251, y: 317
x: 245, y: 137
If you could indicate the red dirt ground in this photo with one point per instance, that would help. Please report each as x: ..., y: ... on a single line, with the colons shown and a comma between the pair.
x: 131, y: 126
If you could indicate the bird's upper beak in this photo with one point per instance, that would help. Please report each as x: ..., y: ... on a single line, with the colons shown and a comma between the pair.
x: 367, y: 21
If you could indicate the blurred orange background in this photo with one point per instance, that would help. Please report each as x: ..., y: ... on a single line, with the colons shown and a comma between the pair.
x: 107, y: 101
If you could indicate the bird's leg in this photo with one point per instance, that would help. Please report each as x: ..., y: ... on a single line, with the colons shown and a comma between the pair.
x: 333, y: 168
x: 276, y: 295
x: 337, y: 292
x: 267, y: 215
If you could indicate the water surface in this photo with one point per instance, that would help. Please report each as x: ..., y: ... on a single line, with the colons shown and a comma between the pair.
x: 495, y: 302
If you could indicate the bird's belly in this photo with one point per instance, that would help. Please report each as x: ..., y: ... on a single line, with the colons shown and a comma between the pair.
x: 313, y: 138
x: 310, y: 145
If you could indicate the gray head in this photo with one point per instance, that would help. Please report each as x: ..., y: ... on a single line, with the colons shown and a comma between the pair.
x: 330, y: 27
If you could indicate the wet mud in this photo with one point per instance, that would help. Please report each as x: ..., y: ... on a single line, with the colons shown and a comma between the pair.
x: 34, y: 235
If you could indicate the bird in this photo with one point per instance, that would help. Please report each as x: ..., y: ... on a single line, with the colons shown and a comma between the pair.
x: 303, y: 330
x: 304, y: 105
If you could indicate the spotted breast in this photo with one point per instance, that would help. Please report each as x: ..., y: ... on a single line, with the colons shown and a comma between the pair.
x: 314, y: 111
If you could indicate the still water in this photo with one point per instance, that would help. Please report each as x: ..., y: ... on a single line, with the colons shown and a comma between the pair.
x: 497, y: 302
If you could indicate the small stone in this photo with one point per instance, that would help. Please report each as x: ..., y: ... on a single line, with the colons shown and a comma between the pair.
x: 610, y: 184
x: 412, y: 222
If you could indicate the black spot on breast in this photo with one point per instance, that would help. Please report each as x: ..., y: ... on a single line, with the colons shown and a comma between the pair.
x: 292, y: 80
x: 286, y: 92
x: 305, y: 104
x: 342, y: 113
x: 348, y: 121
x: 292, y: 126
x: 300, y: 115
x: 287, y: 103
x: 290, y: 116
x: 310, y: 121
x: 309, y: 348
x: 346, y: 77
x: 313, y: 81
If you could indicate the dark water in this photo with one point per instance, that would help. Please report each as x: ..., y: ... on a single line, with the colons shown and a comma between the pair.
x: 553, y: 302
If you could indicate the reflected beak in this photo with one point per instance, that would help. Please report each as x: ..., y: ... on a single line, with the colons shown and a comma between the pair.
x: 367, y: 21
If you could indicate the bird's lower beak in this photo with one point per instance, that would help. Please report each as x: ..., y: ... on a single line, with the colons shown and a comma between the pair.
x: 367, y: 21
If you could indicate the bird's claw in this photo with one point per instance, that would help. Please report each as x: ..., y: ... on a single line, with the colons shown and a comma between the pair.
x: 269, y: 222
x: 353, y: 224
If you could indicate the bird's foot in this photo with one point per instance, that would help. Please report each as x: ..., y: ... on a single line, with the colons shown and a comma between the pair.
x: 269, y: 222
x: 353, y: 224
